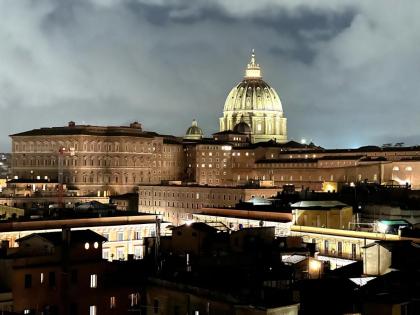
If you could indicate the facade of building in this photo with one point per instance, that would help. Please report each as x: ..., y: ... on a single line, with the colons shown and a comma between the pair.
x: 124, y: 235
x: 177, y: 203
x: 327, y: 214
x: 97, y: 160
x: 63, y: 273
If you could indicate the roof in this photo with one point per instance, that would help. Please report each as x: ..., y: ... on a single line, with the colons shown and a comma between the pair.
x: 311, y: 150
x: 345, y: 157
x: 394, y: 222
x: 171, y: 140
x: 88, y: 130
x: 286, y: 161
x: 394, y: 245
x: 93, y: 204
x: 290, y: 144
x: 30, y: 181
x: 124, y: 196
x: 207, y: 141
x: 293, y: 259
x: 361, y: 281
x: 56, y: 238
x: 259, y: 201
x: 318, y: 205
x: 197, y: 226
x: 227, y: 132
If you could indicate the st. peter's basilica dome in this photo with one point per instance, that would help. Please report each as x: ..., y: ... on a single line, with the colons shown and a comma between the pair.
x: 257, y: 104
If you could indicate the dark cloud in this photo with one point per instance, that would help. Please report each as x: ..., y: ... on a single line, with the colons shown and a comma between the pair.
x: 347, y: 71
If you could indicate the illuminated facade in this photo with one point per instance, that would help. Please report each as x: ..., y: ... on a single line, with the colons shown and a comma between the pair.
x: 97, y: 160
x: 177, y: 203
x: 254, y: 107
x: 124, y: 235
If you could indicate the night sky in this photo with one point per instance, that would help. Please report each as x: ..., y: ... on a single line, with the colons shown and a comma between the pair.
x: 347, y: 72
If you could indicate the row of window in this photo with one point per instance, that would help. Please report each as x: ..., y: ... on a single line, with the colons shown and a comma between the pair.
x: 92, y: 146
x: 189, y: 195
x: 339, y: 248
x: 52, y: 281
x: 142, y: 161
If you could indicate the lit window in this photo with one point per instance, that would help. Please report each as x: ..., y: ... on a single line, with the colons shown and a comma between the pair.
x: 86, y: 246
x: 112, y: 302
x: 120, y: 253
x: 395, y: 168
x: 96, y: 245
x: 134, y: 299
x: 94, y: 281
x: 27, y: 312
x: 409, y: 168
x: 92, y: 310
x: 105, y: 254
x: 42, y: 277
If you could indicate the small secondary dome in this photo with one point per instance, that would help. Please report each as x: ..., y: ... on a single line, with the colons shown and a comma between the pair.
x: 194, y: 132
x: 242, y: 127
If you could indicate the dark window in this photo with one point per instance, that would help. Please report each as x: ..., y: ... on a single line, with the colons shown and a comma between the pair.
x: 156, y: 306
x: 340, y: 248
x: 353, y: 251
x: 326, y: 247
x: 73, y: 276
x: 73, y: 309
x: 51, y: 279
x: 28, y: 281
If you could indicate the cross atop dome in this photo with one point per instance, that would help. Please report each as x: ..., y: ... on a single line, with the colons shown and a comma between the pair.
x: 253, y: 70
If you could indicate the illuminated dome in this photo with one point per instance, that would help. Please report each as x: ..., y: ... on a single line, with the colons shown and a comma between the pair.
x: 257, y: 104
x: 194, y: 132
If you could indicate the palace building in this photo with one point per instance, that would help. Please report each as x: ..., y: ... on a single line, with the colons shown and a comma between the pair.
x: 95, y: 159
